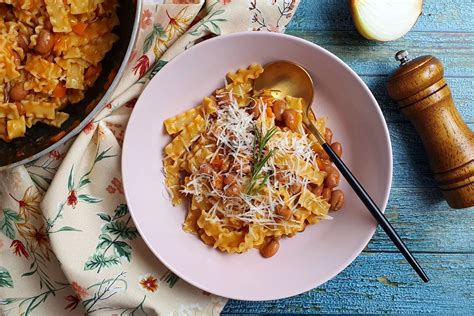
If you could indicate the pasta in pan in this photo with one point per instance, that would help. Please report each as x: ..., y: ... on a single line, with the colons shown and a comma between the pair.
x: 50, y: 53
x: 251, y: 170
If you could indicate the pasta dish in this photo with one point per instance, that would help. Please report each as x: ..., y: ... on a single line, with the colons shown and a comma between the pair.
x: 249, y: 168
x: 50, y: 53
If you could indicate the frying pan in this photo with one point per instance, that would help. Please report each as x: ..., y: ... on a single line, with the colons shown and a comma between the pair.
x: 40, y: 139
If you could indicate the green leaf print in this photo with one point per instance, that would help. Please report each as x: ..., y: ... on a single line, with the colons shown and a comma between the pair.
x: 122, y: 249
x: 41, y: 171
x: 157, y: 67
x: 5, y: 278
x: 66, y: 229
x: 89, y: 198
x: 9, y: 300
x: 28, y: 273
x: 104, y: 242
x: 103, y: 291
x: 103, y: 155
x: 120, y: 211
x: 28, y: 304
x: 115, y: 232
x: 121, y: 229
x: 7, y: 222
x: 84, y: 182
x: 170, y: 278
x: 104, y: 217
x: 216, y: 28
x: 100, y: 261
x: 136, y: 309
x: 70, y: 180
x: 156, y: 32
x: 149, y: 40
x: 209, y: 21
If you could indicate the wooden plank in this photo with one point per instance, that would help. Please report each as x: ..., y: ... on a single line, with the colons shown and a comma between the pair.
x: 456, y: 50
x: 410, y: 163
x: 461, y: 88
x: 383, y: 283
x: 426, y: 223
x: 437, y: 16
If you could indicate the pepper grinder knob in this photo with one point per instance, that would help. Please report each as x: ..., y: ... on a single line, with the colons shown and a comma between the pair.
x: 423, y: 95
x: 402, y: 57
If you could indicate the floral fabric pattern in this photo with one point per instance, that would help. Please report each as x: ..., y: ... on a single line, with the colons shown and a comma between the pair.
x: 67, y: 242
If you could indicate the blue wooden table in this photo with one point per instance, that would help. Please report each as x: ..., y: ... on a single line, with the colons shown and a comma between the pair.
x: 379, y: 280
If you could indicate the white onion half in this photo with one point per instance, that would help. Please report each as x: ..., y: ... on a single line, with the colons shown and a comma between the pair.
x: 385, y: 20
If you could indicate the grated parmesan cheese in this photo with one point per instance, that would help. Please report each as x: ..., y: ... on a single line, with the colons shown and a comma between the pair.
x: 232, y: 132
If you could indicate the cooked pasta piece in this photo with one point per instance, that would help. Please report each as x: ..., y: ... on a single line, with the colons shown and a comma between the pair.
x: 9, y: 111
x: 177, y: 123
x: 184, y: 140
x: 246, y: 74
x: 39, y: 110
x: 81, y: 6
x: 16, y: 128
x: 59, y: 15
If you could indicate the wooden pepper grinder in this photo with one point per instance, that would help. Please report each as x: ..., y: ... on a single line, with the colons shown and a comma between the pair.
x: 425, y: 98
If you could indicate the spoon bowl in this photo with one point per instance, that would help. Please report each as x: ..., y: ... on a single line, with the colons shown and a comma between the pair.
x: 287, y: 78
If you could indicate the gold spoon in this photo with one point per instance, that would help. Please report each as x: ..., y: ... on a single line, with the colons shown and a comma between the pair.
x: 288, y: 78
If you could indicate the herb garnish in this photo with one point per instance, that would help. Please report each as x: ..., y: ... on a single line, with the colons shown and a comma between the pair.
x: 260, y: 159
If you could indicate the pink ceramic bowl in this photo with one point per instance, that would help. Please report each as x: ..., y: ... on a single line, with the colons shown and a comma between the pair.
x: 303, y: 262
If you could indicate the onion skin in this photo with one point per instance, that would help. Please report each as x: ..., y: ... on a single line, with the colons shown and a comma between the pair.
x: 376, y: 35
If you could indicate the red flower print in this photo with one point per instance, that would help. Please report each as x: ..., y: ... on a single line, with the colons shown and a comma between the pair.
x: 29, y: 204
x: 115, y: 186
x: 143, y: 63
x: 19, y: 249
x: 72, y: 199
x: 292, y: 5
x: 79, y: 290
x: 109, y: 106
x: 275, y: 29
x: 146, y: 19
x: 149, y: 283
x: 89, y: 128
x: 73, y: 302
x: 55, y: 155
x: 37, y: 238
x: 224, y: 2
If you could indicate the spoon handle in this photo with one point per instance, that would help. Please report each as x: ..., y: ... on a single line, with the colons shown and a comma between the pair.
x: 375, y: 211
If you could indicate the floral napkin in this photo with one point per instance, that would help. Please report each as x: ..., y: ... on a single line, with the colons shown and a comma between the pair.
x: 67, y: 242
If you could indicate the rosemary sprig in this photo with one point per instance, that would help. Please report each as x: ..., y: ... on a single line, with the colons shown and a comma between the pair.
x: 260, y: 159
